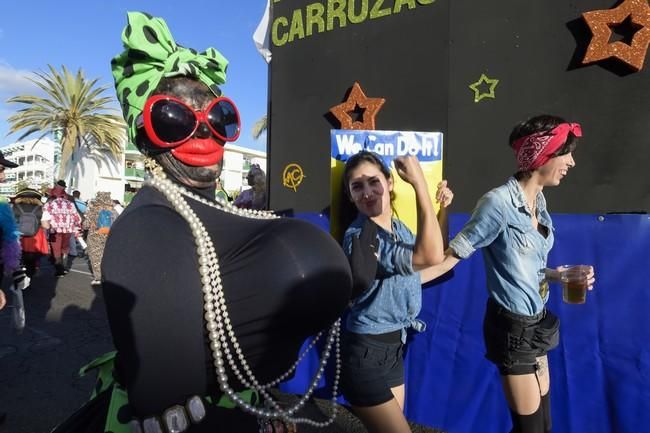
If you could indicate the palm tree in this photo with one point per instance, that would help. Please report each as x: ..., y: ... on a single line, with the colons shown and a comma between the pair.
x: 74, y: 109
x: 259, y: 127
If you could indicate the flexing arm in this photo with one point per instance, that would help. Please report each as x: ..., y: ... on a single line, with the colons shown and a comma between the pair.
x: 444, y: 196
x: 483, y: 227
x: 428, y: 249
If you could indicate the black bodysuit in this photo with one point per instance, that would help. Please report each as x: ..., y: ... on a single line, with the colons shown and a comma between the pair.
x: 284, y: 280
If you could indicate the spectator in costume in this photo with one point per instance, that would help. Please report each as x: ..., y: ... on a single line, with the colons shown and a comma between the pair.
x: 175, y: 251
x: 255, y: 196
x: 64, y: 223
x: 99, y: 219
x: 28, y: 211
x: 78, y: 202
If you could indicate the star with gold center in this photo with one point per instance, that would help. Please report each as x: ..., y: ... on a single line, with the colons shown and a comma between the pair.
x: 601, y: 22
x: 357, y: 101
x: 478, y: 94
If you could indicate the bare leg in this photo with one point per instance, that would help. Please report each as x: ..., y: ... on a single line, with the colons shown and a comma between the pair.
x: 544, y: 377
x: 398, y: 393
x: 522, y: 393
x: 383, y: 418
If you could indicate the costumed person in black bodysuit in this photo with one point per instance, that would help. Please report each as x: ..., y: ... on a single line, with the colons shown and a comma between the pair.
x: 190, y: 282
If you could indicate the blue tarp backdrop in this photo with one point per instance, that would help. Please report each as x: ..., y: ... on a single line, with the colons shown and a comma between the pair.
x: 600, y: 372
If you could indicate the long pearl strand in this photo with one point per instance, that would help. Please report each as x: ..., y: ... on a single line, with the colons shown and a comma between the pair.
x: 218, y: 323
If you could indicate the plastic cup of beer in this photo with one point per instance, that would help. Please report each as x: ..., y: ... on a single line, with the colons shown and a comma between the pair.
x: 574, y: 283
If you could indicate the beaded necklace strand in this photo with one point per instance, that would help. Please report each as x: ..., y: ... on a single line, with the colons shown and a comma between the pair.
x: 218, y: 323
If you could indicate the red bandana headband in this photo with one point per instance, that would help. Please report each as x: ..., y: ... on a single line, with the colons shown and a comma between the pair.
x: 536, y: 149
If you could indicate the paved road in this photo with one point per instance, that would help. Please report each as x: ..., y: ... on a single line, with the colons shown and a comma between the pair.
x: 66, y: 328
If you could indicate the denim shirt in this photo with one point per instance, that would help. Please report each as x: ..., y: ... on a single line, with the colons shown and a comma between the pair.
x: 514, y: 252
x: 394, y: 299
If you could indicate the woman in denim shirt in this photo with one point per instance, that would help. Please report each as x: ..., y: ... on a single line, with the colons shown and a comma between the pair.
x: 390, y: 293
x: 514, y: 228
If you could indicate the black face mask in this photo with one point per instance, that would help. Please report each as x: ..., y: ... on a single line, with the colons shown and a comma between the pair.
x: 200, y: 177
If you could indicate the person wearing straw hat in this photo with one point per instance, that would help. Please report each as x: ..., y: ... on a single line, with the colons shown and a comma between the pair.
x: 28, y: 211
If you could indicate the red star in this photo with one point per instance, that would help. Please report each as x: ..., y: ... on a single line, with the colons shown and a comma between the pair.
x: 600, y: 23
x: 357, y: 98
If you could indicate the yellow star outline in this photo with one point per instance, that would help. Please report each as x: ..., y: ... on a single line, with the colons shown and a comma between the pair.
x: 492, y: 82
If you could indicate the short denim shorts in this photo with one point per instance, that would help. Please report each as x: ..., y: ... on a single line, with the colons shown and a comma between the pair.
x: 371, y: 366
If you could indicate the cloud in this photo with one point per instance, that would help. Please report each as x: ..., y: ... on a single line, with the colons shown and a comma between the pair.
x: 14, y: 81
x: 5, y: 112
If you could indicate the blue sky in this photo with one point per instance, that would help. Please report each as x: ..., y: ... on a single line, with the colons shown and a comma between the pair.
x: 86, y: 34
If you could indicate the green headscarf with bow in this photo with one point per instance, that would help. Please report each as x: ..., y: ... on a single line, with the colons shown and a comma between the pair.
x: 150, y: 53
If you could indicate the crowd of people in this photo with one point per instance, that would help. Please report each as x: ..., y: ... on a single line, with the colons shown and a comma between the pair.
x: 57, y: 226
x: 182, y: 266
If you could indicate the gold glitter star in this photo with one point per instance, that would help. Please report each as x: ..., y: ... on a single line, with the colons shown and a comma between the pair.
x: 357, y: 99
x: 601, y: 22
x: 478, y: 95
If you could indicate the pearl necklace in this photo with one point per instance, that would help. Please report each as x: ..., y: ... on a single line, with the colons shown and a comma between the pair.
x: 218, y: 323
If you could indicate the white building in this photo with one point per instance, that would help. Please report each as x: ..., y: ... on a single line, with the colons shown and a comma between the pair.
x: 90, y: 171
x: 37, y: 164
x: 237, y: 161
x: 93, y: 171
x: 133, y: 167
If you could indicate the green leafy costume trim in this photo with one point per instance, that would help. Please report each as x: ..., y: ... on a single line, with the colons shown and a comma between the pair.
x: 119, y: 398
x: 150, y: 53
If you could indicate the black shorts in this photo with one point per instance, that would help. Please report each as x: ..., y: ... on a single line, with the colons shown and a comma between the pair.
x: 513, y: 342
x: 371, y: 366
